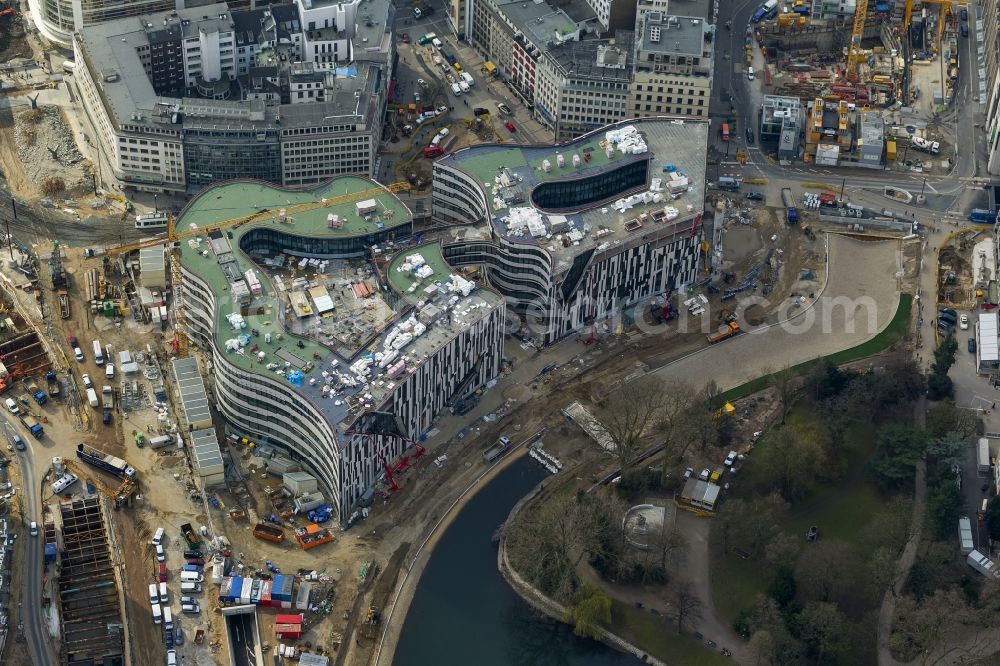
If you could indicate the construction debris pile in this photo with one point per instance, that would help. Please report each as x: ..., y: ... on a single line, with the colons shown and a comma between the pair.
x: 46, y: 147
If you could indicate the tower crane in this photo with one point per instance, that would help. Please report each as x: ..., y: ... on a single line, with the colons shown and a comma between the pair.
x: 264, y: 214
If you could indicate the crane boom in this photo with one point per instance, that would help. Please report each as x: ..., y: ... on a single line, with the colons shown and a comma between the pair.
x: 173, y: 235
x: 857, y: 33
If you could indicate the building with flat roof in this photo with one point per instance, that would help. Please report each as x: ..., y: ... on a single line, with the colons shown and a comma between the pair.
x: 342, y: 389
x: 673, y: 65
x: 575, y: 233
x: 182, y: 99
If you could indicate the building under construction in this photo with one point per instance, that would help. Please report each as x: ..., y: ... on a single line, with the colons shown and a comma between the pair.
x: 92, y: 628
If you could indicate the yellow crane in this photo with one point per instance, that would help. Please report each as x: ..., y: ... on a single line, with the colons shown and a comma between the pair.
x: 264, y: 214
x: 908, y: 10
x: 857, y: 33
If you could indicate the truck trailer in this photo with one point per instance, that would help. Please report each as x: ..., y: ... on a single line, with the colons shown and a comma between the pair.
x: 104, y: 461
x: 791, y: 212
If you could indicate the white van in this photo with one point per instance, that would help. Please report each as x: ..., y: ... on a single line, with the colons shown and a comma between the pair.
x: 12, y: 406
x: 192, y: 577
x: 457, y: 89
x: 163, y: 593
x: 153, y: 597
x: 168, y: 621
x: 189, y: 587
x: 157, y: 614
x: 109, y: 371
x: 98, y: 353
x: 158, y: 537
x: 437, y: 43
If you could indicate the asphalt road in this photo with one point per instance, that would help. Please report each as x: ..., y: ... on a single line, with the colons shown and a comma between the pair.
x: 39, y: 646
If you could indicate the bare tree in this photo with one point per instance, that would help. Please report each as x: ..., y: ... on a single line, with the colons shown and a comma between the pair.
x: 632, y: 417
x: 785, y: 385
x: 686, y: 603
x: 671, y: 545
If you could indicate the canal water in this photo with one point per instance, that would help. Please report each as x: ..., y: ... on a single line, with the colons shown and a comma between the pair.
x: 464, y: 612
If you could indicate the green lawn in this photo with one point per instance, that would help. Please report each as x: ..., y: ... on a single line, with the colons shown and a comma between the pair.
x: 889, y: 336
x: 841, y: 510
x: 657, y: 635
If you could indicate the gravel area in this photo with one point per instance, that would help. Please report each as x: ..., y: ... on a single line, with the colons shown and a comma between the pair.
x: 46, y: 149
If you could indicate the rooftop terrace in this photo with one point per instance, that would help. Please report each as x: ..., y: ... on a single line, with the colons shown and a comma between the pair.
x: 510, y: 174
x: 260, y: 342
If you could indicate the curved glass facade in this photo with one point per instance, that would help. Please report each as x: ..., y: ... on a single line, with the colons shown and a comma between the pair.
x: 268, y: 239
x: 578, y: 193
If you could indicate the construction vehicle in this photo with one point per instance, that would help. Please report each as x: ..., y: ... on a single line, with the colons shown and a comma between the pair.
x: 269, y: 532
x: 56, y: 271
x: 63, y: 304
x: 120, y: 496
x: 32, y: 425
x: 37, y: 393
x: 53, y: 381
x: 373, y: 619
x: 791, y: 212
x: 140, y: 439
x: 190, y: 536
x: 731, y: 329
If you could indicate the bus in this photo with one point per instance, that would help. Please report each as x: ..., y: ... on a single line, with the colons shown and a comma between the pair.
x: 724, y: 131
x: 155, y: 220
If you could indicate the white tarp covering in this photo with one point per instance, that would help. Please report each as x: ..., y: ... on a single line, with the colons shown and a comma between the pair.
x: 989, y: 346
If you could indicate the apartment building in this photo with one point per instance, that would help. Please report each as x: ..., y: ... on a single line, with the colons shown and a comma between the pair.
x: 983, y: 23
x: 575, y: 82
x: 341, y: 393
x: 182, y: 99
x: 579, y: 232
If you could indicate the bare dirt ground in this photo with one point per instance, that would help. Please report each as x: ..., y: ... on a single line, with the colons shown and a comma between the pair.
x: 12, y: 39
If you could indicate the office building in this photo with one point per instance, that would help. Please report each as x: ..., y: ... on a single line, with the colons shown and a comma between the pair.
x: 574, y: 234
x: 325, y: 346
x: 288, y: 94
x: 673, y: 66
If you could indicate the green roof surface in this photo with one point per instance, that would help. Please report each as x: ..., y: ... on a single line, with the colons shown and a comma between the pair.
x: 237, y: 199
x: 484, y: 163
x: 431, y: 252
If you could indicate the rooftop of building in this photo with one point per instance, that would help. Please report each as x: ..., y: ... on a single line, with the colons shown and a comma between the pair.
x: 541, y: 22
x: 673, y: 35
x: 312, y: 360
x: 510, y: 173
x: 603, y: 59
x: 110, y: 52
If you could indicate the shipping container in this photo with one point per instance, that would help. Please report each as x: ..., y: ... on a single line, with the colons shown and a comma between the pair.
x: 983, y: 459
x: 302, y: 598
x: 965, y: 536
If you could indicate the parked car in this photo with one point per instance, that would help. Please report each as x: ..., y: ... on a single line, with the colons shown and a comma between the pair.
x: 190, y: 608
x: 193, y: 553
x: 162, y: 573
x: 972, y: 345
x: 87, y: 382
x: 749, y: 135
x: 178, y: 633
x: 18, y: 443
x: 510, y: 127
x: 504, y: 109
x: 963, y: 322
x: 188, y: 600
x: 689, y: 472
x: 34, y: 528
x: 161, y: 555
x: 947, y: 311
x: 964, y: 13
x: 755, y: 196
x: 171, y: 657
x: 406, y: 38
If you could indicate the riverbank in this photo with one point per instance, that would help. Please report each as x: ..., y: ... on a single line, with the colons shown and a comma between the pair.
x: 538, y: 600
x: 406, y: 586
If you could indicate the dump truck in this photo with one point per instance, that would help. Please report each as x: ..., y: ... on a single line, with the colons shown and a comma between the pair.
x: 791, y: 212
x: 190, y: 535
x: 53, y: 381
x: 37, y: 393
x: 269, y: 532
x: 731, y: 329
x: 32, y: 425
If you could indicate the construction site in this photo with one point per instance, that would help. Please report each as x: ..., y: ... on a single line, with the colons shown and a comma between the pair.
x: 877, y: 106
x: 89, y: 604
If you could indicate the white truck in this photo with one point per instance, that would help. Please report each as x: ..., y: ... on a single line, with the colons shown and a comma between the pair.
x: 468, y: 79
x: 457, y: 89
x: 983, y: 457
x: 92, y: 398
x: 983, y: 564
